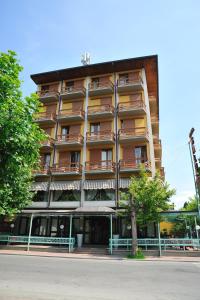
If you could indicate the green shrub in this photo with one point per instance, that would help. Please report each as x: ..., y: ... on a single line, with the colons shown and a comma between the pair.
x: 139, y: 255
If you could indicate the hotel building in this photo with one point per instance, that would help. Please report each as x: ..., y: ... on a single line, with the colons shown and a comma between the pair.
x: 102, y: 122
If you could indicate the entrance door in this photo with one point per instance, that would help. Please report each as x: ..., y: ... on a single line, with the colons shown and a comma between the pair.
x: 96, y: 230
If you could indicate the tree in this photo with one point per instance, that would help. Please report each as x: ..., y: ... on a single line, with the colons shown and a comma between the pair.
x: 147, y: 197
x: 20, y: 138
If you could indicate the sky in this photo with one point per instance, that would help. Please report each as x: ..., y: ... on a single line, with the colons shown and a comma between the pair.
x: 52, y: 34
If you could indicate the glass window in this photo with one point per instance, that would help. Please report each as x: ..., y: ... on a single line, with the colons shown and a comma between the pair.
x: 71, y: 195
x: 40, y: 196
x: 100, y: 195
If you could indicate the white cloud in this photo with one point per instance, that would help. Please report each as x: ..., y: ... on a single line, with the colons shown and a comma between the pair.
x: 181, y: 197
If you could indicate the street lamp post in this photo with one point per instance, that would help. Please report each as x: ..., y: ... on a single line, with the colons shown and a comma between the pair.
x: 195, y: 166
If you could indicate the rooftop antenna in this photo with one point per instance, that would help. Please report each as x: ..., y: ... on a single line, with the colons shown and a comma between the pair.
x: 85, y: 58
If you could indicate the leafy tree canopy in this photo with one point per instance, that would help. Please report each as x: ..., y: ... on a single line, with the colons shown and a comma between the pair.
x: 19, y: 138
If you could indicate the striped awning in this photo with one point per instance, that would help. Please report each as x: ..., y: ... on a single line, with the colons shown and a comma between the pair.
x: 99, y: 184
x: 124, y: 183
x: 65, y: 185
x: 39, y: 186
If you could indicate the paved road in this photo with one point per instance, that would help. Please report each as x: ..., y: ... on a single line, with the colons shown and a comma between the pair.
x: 26, y: 277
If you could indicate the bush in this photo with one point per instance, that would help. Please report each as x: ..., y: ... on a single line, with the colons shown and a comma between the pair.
x: 139, y: 255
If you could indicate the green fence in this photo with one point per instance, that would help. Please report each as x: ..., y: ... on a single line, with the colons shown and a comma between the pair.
x: 154, y: 243
x: 12, y: 239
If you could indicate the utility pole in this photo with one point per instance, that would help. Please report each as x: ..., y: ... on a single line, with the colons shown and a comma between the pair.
x: 195, y: 166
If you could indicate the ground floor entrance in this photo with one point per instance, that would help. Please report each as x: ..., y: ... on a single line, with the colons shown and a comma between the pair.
x: 96, y: 230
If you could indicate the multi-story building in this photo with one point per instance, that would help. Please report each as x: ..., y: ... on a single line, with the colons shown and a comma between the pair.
x: 102, y: 122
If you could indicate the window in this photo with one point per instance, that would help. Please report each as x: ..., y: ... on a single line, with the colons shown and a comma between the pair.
x: 47, y: 159
x: 95, y: 83
x: 70, y: 195
x: 106, y: 156
x: 40, y: 196
x: 100, y: 195
x: 75, y: 157
x: 123, y: 78
x: 65, y: 131
x: 69, y: 86
x: 140, y: 154
x: 94, y: 127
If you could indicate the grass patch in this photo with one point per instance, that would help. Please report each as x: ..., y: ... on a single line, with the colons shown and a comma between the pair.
x: 139, y: 255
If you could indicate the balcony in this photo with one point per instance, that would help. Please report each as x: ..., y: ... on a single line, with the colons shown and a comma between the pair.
x: 70, y: 115
x: 43, y: 170
x: 71, y: 92
x: 158, y: 162
x: 98, y: 88
x: 47, y: 144
x: 100, y: 137
x: 139, y: 134
x: 131, y: 108
x: 132, y: 165
x: 45, y: 118
x: 129, y: 85
x: 157, y: 146
x: 155, y: 123
x: 100, y: 111
x: 100, y: 167
x: 69, y: 140
x: 48, y: 96
x: 66, y: 169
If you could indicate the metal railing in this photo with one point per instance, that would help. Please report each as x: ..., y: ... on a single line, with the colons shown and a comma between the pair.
x: 12, y: 239
x: 73, y: 89
x: 106, y: 135
x: 43, y: 169
x: 69, y: 138
x: 133, y: 132
x: 43, y: 116
x: 48, y: 142
x: 102, y: 165
x: 100, y: 85
x: 71, y: 112
x: 47, y: 93
x: 150, y: 243
x: 134, y: 163
x: 131, y: 105
x: 67, y: 167
x: 100, y: 109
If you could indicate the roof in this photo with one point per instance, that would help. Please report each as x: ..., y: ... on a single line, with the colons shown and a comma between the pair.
x: 149, y: 63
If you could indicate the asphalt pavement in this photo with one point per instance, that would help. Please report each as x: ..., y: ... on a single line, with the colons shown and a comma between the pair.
x: 31, y: 277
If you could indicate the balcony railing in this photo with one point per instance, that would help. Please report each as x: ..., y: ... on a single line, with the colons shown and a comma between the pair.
x: 42, y: 170
x: 134, y: 164
x: 70, y: 92
x: 136, y: 133
x: 103, y: 166
x: 44, y: 117
x: 69, y: 139
x: 131, y: 107
x: 129, y: 84
x: 101, y: 136
x: 48, y: 143
x: 48, y: 95
x: 66, y: 168
x: 98, y: 88
x: 70, y: 114
x: 100, y: 111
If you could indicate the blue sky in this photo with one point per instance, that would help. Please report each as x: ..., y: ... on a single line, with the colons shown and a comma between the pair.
x: 49, y: 35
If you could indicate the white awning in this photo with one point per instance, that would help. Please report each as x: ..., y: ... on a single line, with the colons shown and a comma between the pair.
x: 124, y: 183
x: 99, y: 184
x: 65, y: 185
x: 39, y: 186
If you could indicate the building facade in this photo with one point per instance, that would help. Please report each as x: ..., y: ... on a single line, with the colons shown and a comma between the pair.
x: 102, y: 122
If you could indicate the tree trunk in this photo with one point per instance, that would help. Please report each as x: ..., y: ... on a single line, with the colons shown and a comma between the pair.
x: 134, y: 232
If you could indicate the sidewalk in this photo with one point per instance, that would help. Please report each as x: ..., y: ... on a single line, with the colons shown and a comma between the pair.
x: 97, y: 257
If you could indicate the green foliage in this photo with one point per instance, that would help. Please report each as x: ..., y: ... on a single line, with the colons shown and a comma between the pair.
x: 139, y: 255
x: 148, y: 196
x: 20, y: 138
x: 191, y: 205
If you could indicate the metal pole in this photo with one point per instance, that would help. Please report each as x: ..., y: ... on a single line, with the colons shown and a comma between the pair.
x: 111, y: 234
x: 29, y: 235
x: 70, y: 233
x: 159, y: 241
x: 197, y: 232
x: 195, y: 184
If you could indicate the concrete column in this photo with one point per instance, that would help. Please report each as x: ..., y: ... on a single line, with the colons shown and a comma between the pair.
x: 149, y: 127
x: 29, y: 235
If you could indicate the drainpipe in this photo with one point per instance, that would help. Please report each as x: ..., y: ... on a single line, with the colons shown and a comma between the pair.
x: 116, y: 142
